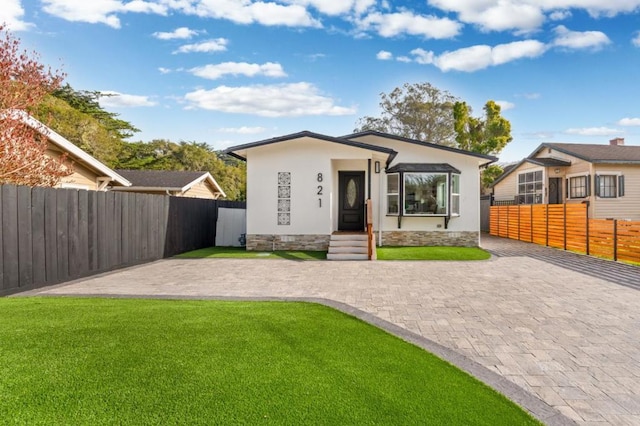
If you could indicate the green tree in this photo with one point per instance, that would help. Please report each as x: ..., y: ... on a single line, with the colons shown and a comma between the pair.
x: 489, y: 174
x: 417, y: 111
x: 484, y: 135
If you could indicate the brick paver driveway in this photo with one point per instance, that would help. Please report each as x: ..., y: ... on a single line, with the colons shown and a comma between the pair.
x: 571, y: 339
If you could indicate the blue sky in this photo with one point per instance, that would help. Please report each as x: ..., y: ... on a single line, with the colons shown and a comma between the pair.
x: 226, y: 72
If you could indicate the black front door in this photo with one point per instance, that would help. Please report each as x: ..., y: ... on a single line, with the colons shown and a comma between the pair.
x: 351, y: 204
x: 555, y: 190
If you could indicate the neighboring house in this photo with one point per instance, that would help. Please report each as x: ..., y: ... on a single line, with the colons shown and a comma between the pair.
x: 607, y: 177
x: 172, y: 182
x: 88, y: 172
x: 304, y: 187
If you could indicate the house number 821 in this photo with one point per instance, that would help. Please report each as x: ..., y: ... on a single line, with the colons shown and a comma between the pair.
x: 319, y: 179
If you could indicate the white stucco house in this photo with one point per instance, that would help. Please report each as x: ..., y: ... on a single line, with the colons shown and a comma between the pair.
x: 305, y: 187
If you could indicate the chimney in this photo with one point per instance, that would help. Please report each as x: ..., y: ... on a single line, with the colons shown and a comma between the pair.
x: 616, y: 141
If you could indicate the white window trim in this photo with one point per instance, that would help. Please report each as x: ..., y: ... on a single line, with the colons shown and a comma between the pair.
x: 387, y: 193
x: 451, y: 193
x: 544, y: 181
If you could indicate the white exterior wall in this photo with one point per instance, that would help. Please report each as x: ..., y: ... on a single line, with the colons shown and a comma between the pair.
x: 304, y: 158
x: 469, y: 219
x: 232, y: 223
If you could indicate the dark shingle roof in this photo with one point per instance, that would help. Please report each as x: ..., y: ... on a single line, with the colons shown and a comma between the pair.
x: 160, y: 178
x: 548, y: 162
x: 599, y: 153
x: 423, y: 167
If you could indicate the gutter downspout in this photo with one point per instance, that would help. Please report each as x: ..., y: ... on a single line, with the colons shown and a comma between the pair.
x: 380, y: 209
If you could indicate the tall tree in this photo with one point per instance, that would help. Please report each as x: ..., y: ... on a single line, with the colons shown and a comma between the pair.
x: 24, y: 83
x: 484, y: 135
x: 417, y: 111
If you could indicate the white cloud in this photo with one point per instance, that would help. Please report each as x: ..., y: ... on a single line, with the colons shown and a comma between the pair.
x: 120, y: 100
x: 579, y: 39
x: 636, y: 39
x: 505, y: 105
x: 528, y: 15
x: 559, y: 15
x: 478, y: 57
x: 249, y: 12
x: 404, y: 59
x: 629, y: 122
x: 244, y: 130
x: 495, y: 15
x: 164, y: 70
x: 592, y: 131
x: 99, y: 11
x: 281, y: 100
x: 11, y: 14
x: 383, y: 55
x: 422, y: 56
x: 213, y: 72
x: 216, y: 45
x: 394, y: 24
x: 336, y: 7
x: 178, y: 33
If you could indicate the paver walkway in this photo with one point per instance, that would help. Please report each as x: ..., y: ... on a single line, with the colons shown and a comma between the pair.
x: 571, y: 339
x: 616, y: 272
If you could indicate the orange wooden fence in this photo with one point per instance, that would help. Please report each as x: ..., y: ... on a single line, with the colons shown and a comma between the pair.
x: 568, y: 227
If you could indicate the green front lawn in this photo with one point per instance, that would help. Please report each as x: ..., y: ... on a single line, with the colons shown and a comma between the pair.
x: 241, y: 253
x: 432, y: 253
x: 132, y: 361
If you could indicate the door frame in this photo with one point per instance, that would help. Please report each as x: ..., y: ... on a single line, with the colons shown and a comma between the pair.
x: 559, y: 192
x: 342, y: 180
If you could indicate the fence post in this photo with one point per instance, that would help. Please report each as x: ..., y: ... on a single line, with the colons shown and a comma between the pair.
x: 519, y: 212
x: 615, y: 239
x: 547, y: 225
x: 587, y: 226
x: 531, y: 221
x: 564, y: 218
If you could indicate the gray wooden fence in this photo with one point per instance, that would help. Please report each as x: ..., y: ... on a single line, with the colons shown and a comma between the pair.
x: 48, y: 236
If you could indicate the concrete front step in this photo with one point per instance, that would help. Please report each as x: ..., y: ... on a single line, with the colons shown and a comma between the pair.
x: 349, y: 249
x: 347, y: 256
x: 348, y: 243
x: 348, y: 237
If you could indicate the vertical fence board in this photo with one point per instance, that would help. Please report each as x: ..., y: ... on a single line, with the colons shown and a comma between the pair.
x: 92, y: 230
x: 74, y: 233
x: 124, y: 219
x: 83, y: 233
x: 10, y: 237
x: 38, y: 235
x: 117, y: 229
x: 101, y: 224
x: 62, y: 234
x: 25, y: 237
x: 51, y: 235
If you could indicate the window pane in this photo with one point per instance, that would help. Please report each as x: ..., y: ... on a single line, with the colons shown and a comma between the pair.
x: 393, y: 184
x: 455, y: 184
x: 538, y: 176
x: 578, y: 187
x: 425, y: 193
x: 608, y: 185
x: 392, y: 204
x: 455, y: 204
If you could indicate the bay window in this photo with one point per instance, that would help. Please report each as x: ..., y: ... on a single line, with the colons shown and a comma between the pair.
x: 423, y: 189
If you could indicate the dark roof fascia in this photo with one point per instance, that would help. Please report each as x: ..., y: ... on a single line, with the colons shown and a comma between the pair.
x: 557, y: 163
x: 507, y: 173
x: 231, y: 150
x: 492, y: 158
x: 422, y: 168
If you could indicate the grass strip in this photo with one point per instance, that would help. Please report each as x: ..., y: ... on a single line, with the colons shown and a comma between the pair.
x: 432, y: 253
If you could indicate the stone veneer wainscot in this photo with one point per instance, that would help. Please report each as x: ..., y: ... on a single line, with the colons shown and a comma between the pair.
x: 266, y: 242
x: 430, y: 238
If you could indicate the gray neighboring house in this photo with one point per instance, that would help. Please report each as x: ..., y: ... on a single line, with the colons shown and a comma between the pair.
x: 172, y: 182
